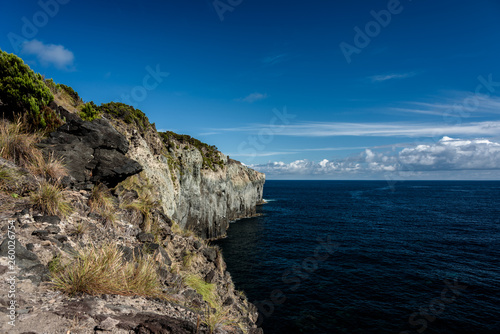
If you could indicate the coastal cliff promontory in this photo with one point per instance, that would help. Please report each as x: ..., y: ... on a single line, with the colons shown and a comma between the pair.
x: 104, y: 220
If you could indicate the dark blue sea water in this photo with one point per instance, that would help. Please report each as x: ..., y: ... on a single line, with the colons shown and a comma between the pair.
x: 363, y: 257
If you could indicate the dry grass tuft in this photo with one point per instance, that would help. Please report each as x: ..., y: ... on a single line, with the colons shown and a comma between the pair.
x: 52, y: 168
x: 219, y: 319
x: 79, y: 230
x: 18, y: 146
x: 50, y: 199
x: 102, y: 270
x: 102, y: 202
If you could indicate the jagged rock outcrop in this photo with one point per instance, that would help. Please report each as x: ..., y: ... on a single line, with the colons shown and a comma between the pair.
x: 93, y: 152
x: 199, y: 198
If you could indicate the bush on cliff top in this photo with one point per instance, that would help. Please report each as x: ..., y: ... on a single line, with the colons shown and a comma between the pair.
x: 24, y: 92
x: 210, y: 153
x: 125, y: 112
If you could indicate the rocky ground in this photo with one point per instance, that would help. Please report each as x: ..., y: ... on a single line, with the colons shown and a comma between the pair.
x: 30, y: 242
x: 41, y: 309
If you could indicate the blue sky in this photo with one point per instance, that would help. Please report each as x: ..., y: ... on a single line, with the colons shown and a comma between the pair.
x: 300, y: 90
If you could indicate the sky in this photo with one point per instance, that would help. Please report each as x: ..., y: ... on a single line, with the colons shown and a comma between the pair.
x: 394, y: 90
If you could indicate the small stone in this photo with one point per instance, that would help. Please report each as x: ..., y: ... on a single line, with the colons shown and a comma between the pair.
x: 145, y: 237
x: 151, y: 247
x: 53, y: 229
x: 30, y: 247
x: 61, y: 238
x: 197, y: 244
x: 40, y: 233
x: 54, y: 220
x: 210, y: 254
x: 209, y: 278
x: 45, y: 243
x: 228, y: 301
x: 108, y: 324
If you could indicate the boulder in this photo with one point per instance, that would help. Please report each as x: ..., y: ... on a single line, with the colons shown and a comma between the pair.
x: 93, y: 152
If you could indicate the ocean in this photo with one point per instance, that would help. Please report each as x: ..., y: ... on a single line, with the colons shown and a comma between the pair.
x: 367, y: 257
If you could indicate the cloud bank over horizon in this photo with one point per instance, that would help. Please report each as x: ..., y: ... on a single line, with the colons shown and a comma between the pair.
x: 479, y: 158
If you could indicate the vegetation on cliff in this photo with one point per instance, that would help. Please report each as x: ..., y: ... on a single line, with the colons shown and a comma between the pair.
x: 93, y: 238
x: 210, y: 153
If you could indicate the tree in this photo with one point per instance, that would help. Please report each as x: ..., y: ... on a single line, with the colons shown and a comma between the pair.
x: 22, y: 91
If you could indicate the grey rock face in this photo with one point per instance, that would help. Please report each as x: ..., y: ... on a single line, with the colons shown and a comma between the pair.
x: 197, y: 198
x: 93, y: 152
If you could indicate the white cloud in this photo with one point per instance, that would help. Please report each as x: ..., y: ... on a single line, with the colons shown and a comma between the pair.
x: 50, y: 54
x: 446, y: 155
x: 452, y: 154
x: 462, y: 105
x: 393, y: 129
x: 385, y: 77
x: 274, y: 59
x: 253, y: 97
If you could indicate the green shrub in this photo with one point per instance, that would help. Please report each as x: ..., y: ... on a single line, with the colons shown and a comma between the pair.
x: 23, y: 91
x: 89, y: 112
x: 126, y: 113
x: 209, y: 153
x: 71, y: 92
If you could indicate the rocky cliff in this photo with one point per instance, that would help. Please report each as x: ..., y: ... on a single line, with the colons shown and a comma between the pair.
x: 199, y: 187
x: 104, y: 221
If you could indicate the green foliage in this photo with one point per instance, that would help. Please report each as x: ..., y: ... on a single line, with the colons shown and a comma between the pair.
x: 52, y: 85
x: 71, y: 92
x: 126, y: 113
x: 210, y: 153
x: 206, y: 290
x: 23, y: 91
x: 46, y: 119
x: 89, y: 112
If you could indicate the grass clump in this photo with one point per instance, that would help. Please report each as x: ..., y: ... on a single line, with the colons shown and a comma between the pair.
x: 17, y: 145
x: 206, y: 290
x: 79, y: 230
x: 102, y: 270
x: 102, y: 202
x: 50, y: 199
x: 50, y: 168
x: 218, y: 320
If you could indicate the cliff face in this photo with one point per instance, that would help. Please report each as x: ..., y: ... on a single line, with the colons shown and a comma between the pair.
x: 198, y: 197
